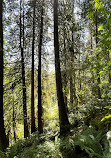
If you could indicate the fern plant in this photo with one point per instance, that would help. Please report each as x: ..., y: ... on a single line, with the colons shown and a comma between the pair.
x: 93, y: 142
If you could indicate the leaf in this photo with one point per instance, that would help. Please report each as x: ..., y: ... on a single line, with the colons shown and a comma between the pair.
x: 108, y: 107
x: 106, y: 117
x: 101, y: 72
x: 90, y: 14
x: 100, y: 27
x: 96, y: 5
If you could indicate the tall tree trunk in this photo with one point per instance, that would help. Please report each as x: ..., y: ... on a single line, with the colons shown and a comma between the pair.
x: 32, y: 77
x: 3, y: 141
x: 73, y: 98
x: 71, y: 90
x: 26, y: 133
x: 13, y: 118
x: 79, y: 74
x: 98, y: 65
x: 71, y: 71
x: 40, y: 119
x: 63, y: 118
x: 109, y: 69
x: 65, y: 80
x: 65, y: 65
x: 91, y: 54
x: 109, y: 60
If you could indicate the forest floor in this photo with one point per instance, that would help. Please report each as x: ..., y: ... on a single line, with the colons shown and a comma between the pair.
x: 85, y: 143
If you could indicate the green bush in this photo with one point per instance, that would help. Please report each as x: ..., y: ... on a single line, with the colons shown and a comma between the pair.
x: 93, y: 142
x: 85, y: 143
x: 2, y: 155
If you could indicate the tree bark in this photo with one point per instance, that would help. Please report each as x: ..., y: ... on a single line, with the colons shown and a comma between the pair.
x: 109, y: 69
x: 32, y: 77
x: 40, y: 119
x: 63, y: 118
x: 91, y: 54
x: 13, y: 118
x: 65, y: 65
x: 71, y: 91
x: 73, y: 98
x: 3, y: 141
x: 98, y: 65
x: 26, y: 133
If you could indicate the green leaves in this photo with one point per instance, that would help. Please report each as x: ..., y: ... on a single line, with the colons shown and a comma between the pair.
x: 106, y: 117
x: 100, y: 27
x: 96, y: 4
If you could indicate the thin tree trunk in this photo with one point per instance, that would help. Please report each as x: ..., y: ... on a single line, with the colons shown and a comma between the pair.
x: 14, y: 125
x: 91, y: 54
x: 63, y: 118
x: 74, y: 81
x: 65, y: 65
x: 13, y: 118
x: 40, y: 119
x: 109, y: 69
x: 26, y: 133
x: 71, y: 91
x: 109, y: 60
x: 71, y: 73
x: 79, y: 74
x: 3, y: 141
x: 73, y: 98
x: 32, y: 77
x: 65, y: 84
x: 98, y: 65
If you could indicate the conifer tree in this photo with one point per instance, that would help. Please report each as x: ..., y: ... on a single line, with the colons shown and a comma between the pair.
x: 3, y: 141
x: 40, y: 119
x: 32, y: 74
x: 63, y: 118
x: 23, y: 71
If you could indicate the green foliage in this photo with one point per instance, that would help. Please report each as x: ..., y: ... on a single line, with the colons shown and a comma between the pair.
x: 35, y: 146
x: 91, y: 141
x: 2, y: 155
x: 67, y: 147
x: 20, y: 146
x: 100, y: 27
x: 87, y: 143
x: 106, y: 117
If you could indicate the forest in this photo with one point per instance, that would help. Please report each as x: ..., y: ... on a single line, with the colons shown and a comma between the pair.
x: 55, y: 78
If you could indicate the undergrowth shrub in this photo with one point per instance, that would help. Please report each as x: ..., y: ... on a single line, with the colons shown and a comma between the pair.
x: 67, y: 147
x: 94, y: 143
x: 85, y: 143
x: 21, y: 145
x: 2, y: 155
